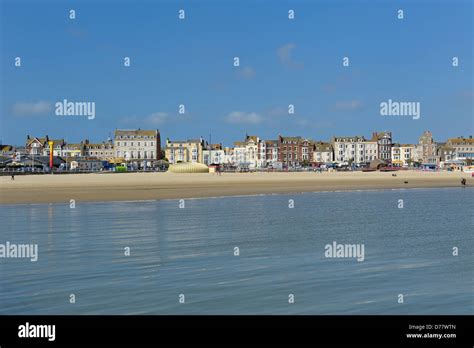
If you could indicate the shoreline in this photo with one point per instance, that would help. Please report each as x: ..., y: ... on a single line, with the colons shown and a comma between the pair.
x: 97, y: 187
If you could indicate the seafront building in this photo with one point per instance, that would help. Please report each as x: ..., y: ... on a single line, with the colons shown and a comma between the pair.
x: 463, y: 147
x: 370, y: 151
x: 384, y: 145
x: 425, y: 150
x: 191, y: 150
x: 295, y: 151
x: 402, y: 155
x: 214, y: 154
x: 40, y: 146
x: 250, y: 153
x: 323, y: 152
x: 445, y: 152
x: 272, y: 150
x: 35, y: 146
x: 103, y: 151
x: 290, y: 153
x: 86, y: 164
x: 140, y: 148
x: 354, y: 149
x: 73, y: 150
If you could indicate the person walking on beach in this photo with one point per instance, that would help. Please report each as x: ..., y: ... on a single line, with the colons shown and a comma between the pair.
x: 13, y: 177
x: 463, y: 181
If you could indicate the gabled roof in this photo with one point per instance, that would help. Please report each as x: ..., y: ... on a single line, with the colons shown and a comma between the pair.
x: 31, y: 140
x: 251, y: 137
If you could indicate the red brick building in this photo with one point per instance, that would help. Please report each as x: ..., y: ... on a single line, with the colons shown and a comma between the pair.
x: 295, y: 151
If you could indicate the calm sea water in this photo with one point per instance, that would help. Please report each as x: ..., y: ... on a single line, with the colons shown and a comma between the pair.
x: 190, y: 251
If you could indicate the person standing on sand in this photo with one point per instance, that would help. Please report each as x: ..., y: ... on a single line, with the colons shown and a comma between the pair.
x: 13, y: 177
x: 463, y: 181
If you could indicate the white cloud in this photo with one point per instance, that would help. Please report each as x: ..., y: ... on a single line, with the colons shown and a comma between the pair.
x: 284, y: 53
x: 278, y: 111
x: 244, y: 117
x: 31, y: 108
x: 156, y: 118
x: 246, y: 73
x: 349, y: 105
x: 152, y: 120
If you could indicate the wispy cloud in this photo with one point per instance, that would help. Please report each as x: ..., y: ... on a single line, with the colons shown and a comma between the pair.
x: 341, y: 81
x: 31, y: 108
x: 152, y: 120
x: 157, y: 118
x: 349, y: 105
x: 245, y: 73
x: 285, y: 55
x: 467, y: 94
x: 244, y: 117
x: 312, y: 124
x: 77, y: 32
x: 278, y: 111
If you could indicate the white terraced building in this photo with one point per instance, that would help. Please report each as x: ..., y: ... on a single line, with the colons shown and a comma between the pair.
x: 356, y: 149
x: 138, y: 146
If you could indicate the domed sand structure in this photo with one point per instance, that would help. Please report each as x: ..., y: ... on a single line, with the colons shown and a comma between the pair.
x: 188, y: 167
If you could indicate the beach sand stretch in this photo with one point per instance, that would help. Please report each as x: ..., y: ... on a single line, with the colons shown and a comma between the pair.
x: 53, y: 188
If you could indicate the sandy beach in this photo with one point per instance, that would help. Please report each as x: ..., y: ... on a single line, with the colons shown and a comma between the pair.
x: 151, y: 186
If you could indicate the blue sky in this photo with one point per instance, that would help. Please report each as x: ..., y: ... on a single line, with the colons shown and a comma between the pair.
x: 190, y: 62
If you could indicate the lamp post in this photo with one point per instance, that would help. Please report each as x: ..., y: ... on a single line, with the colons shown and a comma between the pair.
x: 51, y: 156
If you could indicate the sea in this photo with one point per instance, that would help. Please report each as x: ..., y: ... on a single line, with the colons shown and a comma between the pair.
x: 261, y: 254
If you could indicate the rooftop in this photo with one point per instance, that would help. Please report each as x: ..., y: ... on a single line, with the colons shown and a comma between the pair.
x: 136, y: 132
